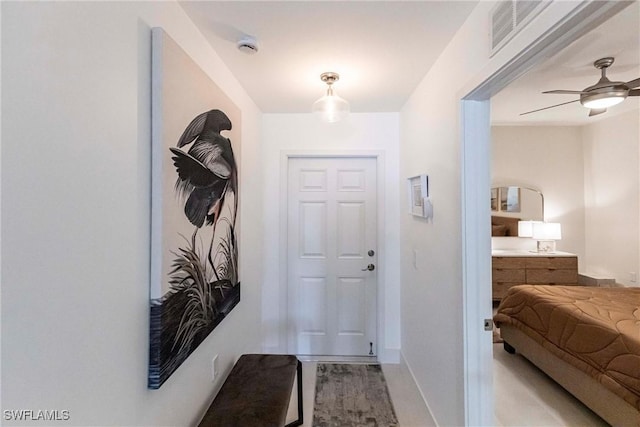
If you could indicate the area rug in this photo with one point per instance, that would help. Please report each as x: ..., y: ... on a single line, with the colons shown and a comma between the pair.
x: 352, y: 396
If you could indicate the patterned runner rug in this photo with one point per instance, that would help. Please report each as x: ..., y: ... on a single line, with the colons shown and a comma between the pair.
x: 352, y: 396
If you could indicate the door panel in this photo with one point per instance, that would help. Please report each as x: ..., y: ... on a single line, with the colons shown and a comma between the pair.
x: 313, y: 230
x: 351, y: 180
x: 351, y: 230
x: 313, y: 292
x: 351, y: 306
x: 313, y: 180
x: 331, y: 226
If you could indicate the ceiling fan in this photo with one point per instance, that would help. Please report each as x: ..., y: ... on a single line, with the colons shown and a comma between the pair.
x: 601, y: 95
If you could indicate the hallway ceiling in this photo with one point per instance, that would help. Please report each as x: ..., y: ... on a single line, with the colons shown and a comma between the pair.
x: 383, y: 49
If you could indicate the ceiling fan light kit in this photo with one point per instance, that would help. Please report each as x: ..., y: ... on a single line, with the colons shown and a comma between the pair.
x: 603, y: 94
x: 603, y: 100
x: 331, y: 108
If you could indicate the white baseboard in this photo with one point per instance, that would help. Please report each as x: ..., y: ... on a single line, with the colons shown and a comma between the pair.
x: 403, y: 362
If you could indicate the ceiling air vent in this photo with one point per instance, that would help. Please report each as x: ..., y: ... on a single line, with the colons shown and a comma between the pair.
x: 525, y: 9
x: 509, y: 17
x: 501, y: 23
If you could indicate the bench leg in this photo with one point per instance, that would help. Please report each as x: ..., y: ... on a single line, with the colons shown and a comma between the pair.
x: 300, y: 419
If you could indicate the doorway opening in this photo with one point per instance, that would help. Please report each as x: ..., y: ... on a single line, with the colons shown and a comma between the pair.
x: 475, y: 148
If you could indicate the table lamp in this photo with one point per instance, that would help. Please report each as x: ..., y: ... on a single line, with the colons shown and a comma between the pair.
x: 546, y: 233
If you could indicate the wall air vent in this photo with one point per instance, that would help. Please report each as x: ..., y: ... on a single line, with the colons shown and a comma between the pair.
x: 509, y: 17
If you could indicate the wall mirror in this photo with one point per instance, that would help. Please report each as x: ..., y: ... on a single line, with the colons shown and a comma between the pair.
x: 512, y: 203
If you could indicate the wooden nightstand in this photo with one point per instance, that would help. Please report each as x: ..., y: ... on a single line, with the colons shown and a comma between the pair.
x: 511, y: 268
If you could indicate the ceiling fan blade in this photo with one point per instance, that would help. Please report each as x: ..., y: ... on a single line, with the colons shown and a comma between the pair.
x: 568, y: 92
x: 633, y: 83
x: 634, y: 92
x: 546, y: 108
x: 596, y: 111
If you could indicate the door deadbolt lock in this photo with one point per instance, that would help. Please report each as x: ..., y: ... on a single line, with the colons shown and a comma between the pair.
x: 371, y: 252
x: 369, y: 267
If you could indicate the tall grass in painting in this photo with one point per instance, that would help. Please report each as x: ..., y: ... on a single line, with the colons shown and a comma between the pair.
x: 227, y: 254
x: 189, y: 275
x: 201, y: 294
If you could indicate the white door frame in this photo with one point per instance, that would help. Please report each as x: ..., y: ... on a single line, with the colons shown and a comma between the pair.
x: 286, y: 330
x: 475, y: 182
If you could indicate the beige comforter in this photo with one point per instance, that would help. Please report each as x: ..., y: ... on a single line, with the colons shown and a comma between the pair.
x: 594, y: 329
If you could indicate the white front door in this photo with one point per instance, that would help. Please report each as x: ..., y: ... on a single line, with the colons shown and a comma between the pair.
x: 332, y: 256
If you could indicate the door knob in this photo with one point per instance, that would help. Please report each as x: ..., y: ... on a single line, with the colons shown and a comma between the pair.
x: 369, y: 267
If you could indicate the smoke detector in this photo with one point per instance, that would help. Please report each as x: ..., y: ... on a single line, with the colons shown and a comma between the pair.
x: 247, y: 44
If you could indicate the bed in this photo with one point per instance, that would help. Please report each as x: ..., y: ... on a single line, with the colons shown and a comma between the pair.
x: 586, y: 338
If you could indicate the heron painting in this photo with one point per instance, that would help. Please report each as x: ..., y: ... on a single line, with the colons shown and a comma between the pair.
x: 195, y: 281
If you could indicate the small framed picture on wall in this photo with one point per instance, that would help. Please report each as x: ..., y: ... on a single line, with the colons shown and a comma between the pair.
x: 418, y: 195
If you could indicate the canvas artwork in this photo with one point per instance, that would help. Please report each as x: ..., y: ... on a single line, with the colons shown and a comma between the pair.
x: 194, y: 207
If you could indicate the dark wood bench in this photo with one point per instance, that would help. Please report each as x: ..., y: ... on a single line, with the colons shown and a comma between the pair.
x: 257, y: 393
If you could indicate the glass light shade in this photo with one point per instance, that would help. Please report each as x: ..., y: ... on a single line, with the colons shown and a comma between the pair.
x: 525, y: 228
x: 603, y: 100
x: 547, y: 231
x: 331, y: 107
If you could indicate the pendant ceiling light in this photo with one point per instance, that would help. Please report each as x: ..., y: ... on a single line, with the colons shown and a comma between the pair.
x: 331, y: 107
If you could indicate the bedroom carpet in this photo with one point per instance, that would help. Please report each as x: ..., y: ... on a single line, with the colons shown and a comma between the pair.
x: 352, y: 395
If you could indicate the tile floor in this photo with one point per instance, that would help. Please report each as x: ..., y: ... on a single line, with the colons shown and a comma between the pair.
x: 524, y: 396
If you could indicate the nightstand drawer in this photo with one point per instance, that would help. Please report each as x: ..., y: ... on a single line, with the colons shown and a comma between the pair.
x: 552, y: 276
x: 508, y: 275
x: 551, y: 262
x: 510, y: 262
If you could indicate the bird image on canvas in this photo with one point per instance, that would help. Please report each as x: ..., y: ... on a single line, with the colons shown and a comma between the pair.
x: 205, y: 268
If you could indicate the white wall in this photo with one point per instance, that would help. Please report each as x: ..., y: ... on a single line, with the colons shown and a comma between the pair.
x: 75, y: 216
x: 433, y: 335
x: 304, y: 133
x: 590, y: 179
x: 612, y: 186
x: 550, y: 159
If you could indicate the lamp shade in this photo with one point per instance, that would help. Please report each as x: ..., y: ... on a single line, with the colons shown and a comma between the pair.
x: 547, y: 231
x: 525, y: 228
x: 331, y: 107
